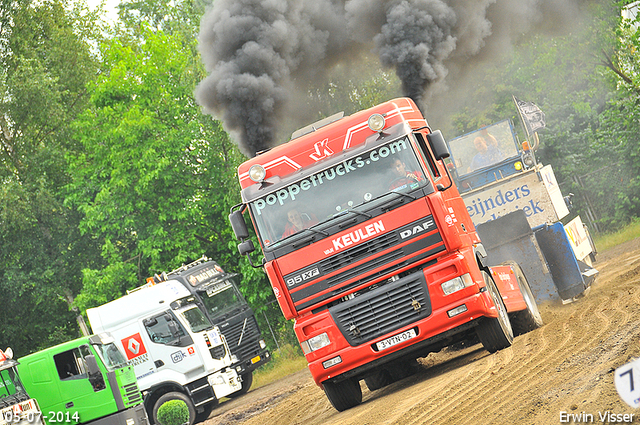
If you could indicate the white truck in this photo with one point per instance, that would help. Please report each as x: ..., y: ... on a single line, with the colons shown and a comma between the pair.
x: 16, y: 407
x: 175, y: 350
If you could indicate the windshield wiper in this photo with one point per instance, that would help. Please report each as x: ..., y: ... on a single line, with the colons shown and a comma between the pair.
x: 303, y: 240
x: 413, y: 198
x: 353, y: 210
x: 390, y: 203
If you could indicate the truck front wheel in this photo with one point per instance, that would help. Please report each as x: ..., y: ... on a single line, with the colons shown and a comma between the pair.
x: 343, y: 395
x: 174, y: 395
x: 495, y: 333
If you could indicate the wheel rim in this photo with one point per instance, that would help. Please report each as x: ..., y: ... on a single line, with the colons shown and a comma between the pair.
x: 532, y: 306
x: 503, y: 316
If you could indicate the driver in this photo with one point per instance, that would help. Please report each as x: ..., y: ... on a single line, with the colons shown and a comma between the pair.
x: 297, y: 222
x: 402, y: 176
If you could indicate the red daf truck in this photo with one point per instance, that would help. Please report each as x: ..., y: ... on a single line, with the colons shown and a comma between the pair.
x: 369, y: 247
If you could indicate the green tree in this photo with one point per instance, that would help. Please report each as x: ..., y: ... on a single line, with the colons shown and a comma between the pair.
x: 156, y: 178
x: 46, y: 62
x: 620, y: 121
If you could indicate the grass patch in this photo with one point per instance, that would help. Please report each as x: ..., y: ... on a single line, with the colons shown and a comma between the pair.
x: 605, y: 241
x: 284, y: 362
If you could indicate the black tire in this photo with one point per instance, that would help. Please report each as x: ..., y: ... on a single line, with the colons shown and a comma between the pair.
x: 378, y: 379
x: 247, y: 380
x: 343, y: 395
x: 204, y: 415
x: 495, y: 333
x: 528, y: 319
x: 174, y: 396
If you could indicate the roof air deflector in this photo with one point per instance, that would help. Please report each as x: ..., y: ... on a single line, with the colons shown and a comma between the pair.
x: 316, y: 125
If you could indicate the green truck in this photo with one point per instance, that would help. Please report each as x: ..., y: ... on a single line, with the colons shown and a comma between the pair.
x: 84, y: 380
x: 16, y: 407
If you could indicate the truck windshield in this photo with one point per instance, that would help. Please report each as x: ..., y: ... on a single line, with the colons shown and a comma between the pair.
x: 484, y: 148
x: 392, y: 167
x: 11, y: 389
x: 196, y: 319
x: 221, y: 298
x: 111, y: 357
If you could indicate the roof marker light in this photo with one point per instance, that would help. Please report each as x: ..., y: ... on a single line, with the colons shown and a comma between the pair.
x: 376, y: 122
x: 257, y: 173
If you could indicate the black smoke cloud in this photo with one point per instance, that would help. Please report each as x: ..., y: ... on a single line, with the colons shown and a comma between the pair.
x: 261, y: 55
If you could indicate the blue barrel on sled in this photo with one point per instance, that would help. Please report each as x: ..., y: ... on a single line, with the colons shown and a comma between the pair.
x: 544, y: 254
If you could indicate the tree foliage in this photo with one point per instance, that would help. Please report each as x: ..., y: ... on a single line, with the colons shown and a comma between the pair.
x: 46, y: 62
x: 156, y: 177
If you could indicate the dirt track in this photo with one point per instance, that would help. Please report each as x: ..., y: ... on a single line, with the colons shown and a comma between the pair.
x: 565, y: 366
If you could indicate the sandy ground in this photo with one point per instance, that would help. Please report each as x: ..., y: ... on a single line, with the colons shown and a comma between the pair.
x: 565, y: 367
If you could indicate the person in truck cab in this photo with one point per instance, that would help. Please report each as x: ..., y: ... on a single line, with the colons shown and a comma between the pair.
x: 297, y: 222
x: 402, y: 176
x: 488, y: 151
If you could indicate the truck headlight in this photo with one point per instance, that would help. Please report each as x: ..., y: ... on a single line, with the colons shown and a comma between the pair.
x: 456, y: 284
x: 263, y: 344
x: 528, y: 160
x: 315, y: 343
x: 376, y: 122
x: 257, y: 173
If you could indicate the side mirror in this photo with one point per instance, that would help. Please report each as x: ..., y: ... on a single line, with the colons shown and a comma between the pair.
x: 242, y: 233
x: 238, y: 225
x: 438, y: 145
x: 173, y: 328
x: 92, y: 365
x: 93, y: 371
x: 150, y: 322
x: 246, y: 247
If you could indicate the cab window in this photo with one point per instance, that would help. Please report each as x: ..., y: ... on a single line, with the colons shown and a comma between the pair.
x: 165, y: 329
x: 71, y: 364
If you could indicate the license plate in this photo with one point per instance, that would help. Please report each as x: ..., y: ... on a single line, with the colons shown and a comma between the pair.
x: 396, y: 339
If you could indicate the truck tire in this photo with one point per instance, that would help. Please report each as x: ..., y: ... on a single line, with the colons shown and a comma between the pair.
x: 343, y: 395
x: 247, y: 380
x: 174, y: 395
x: 495, y: 333
x: 526, y: 320
x: 378, y: 379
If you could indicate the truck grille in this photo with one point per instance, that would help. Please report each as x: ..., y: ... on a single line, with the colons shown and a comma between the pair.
x: 132, y: 394
x: 323, y: 288
x: 248, y: 346
x: 383, y: 310
x: 359, y: 252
